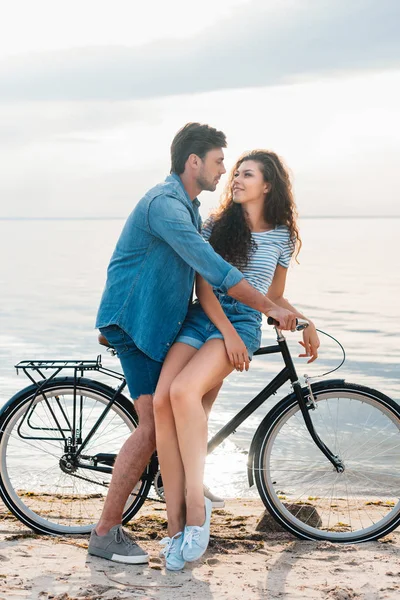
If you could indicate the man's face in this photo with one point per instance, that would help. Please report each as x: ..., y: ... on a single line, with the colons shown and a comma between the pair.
x: 211, y: 168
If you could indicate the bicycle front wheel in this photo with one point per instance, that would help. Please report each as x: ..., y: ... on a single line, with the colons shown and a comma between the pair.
x: 302, y: 489
x: 41, y: 486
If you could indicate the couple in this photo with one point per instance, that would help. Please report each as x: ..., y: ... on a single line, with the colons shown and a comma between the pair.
x: 174, y: 353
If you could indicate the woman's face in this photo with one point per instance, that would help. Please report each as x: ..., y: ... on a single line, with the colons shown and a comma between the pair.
x: 248, y: 183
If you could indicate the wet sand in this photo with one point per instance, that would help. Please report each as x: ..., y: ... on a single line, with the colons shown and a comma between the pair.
x: 240, y: 564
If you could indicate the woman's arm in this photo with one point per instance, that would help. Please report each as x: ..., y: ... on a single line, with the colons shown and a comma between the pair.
x: 235, y: 347
x: 275, y: 292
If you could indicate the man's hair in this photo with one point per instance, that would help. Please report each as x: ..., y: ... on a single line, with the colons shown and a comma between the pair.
x: 194, y: 138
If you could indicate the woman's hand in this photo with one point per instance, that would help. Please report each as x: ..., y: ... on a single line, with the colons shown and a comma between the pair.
x: 310, y: 342
x: 236, y: 351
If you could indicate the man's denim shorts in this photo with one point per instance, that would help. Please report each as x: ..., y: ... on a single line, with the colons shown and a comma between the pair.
x: 198, y: 329
x: 141, y: 372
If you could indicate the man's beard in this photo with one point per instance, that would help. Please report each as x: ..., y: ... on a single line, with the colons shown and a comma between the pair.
x: 205, y: 184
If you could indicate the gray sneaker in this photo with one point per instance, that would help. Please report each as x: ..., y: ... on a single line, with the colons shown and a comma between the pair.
x: 216, y: 501
x: 117, y: 545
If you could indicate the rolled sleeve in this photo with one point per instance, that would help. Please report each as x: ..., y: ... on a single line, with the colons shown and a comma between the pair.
x: 233, y: 277
x: 170, y: 220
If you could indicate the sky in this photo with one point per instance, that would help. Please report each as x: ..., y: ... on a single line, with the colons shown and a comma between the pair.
x: 92, y: 93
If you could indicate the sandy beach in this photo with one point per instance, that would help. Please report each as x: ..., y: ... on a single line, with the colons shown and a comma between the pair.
x: 240, y: 564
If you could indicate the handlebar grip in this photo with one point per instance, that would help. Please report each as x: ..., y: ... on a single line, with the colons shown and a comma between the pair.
x: 300, y: 323
x: 272, y: 321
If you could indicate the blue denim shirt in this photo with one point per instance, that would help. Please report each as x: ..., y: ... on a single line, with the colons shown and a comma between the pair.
x: 151, y: 273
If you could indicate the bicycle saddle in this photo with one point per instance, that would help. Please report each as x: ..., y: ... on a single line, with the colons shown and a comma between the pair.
x: 103, y: 341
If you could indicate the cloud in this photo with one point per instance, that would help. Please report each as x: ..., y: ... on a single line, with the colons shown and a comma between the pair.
x: 25, y: 122
x: 256, y: 46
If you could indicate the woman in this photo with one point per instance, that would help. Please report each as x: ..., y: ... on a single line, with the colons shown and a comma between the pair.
x: 255, y: 230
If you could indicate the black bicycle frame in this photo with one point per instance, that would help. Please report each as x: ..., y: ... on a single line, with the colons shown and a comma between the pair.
x: 252, y: 406
x: 288, y: 373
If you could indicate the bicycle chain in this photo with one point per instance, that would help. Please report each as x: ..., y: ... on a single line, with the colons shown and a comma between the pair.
x: 106, y: 486
x: 86, y: 479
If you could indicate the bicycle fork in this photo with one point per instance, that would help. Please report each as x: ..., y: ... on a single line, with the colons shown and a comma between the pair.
x: 305, y: 406
x: 305, y: 410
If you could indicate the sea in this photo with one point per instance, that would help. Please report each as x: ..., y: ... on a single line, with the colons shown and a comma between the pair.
x: 52, y: 272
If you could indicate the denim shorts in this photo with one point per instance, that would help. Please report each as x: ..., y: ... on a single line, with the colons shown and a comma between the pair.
x: 141, y: 372
x: 198, y: 329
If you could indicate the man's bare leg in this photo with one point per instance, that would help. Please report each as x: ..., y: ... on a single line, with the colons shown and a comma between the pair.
x: 129, y: 465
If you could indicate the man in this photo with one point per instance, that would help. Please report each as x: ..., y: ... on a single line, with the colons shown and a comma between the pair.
x: 149, y: 285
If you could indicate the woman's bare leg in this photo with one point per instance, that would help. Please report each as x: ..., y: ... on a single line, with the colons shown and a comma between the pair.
x: 169, y: 456
x: 208, y: 367
x: 209, y: 399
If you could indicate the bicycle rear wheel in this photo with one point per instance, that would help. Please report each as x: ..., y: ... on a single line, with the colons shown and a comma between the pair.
x: 38, y: 483
x: 302, y: 489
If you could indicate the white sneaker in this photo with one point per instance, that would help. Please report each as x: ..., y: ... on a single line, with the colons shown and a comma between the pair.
x: 196, y: 538
x: 172, y: 552
x: 216, y: 501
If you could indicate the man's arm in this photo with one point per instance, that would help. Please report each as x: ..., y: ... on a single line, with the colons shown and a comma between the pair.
x: 246, y: 293
x: 170, y: 221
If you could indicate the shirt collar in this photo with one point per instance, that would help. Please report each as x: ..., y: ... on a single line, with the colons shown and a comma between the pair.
x: 175, y: 176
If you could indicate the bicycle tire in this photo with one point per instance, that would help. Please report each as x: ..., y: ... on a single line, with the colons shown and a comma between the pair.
x: 32, y: 483
x: 301, y: 488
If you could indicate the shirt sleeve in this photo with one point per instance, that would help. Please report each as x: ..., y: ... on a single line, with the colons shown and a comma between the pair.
x: 170, y: 220
x: 207, y: 228
x: 286, y: 252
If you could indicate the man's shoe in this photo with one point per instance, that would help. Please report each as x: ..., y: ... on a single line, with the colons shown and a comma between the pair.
x: 172, y: 552
x: 216, y: 501
x: 117, y: 545
x: 196, y: 538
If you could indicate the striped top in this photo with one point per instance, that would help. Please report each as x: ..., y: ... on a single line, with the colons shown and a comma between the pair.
x: 273, y: 248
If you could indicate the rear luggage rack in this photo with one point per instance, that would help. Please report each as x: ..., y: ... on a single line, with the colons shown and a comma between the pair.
x: 81, y: 365
x: 30, y: 367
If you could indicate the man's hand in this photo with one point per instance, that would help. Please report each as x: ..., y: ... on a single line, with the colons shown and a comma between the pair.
x: 310, y: 343
x: 285, y: 318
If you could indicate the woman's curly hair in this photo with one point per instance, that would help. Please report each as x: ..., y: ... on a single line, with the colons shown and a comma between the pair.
x: 231, y: 234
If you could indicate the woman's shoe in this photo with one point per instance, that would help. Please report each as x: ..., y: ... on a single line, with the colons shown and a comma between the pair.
x: 172, y: 552
x: 196, y: 538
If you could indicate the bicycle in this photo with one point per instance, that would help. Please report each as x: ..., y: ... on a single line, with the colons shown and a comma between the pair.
x: 325, y: 459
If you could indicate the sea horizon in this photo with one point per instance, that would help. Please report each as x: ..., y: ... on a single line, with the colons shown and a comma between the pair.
x: 119, y: 218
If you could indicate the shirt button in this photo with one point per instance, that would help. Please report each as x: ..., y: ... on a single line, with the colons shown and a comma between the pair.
x: 168, y: 344
x: 179, y: 322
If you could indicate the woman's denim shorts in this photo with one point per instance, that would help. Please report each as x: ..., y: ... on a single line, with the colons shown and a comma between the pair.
x: 198, y: 329
x: 141, y: 372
